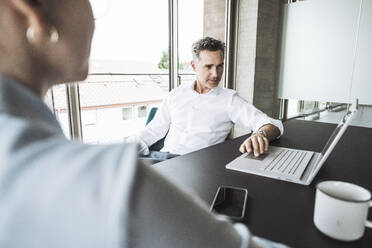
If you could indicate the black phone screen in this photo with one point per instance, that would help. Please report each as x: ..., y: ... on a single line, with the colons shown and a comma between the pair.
x: 230, y: 201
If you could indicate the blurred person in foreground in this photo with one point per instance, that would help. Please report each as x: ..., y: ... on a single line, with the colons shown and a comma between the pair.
x: 58, y: 193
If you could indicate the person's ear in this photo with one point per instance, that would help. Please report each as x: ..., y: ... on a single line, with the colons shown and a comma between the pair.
x: 32, y: 13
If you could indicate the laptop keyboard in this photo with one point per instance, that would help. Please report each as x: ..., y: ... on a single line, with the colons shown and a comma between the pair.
x: 289, y: 162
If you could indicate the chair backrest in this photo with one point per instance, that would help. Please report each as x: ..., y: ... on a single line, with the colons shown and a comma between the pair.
x: 158, y: 145
x: 151, y: 115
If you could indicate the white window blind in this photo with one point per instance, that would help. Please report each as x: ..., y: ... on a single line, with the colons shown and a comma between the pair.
x: 324, y: 52
x: 362, y: 79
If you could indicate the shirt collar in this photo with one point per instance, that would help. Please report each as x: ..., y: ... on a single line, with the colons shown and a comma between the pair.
x: 17, y: 100
x: 213, y: 91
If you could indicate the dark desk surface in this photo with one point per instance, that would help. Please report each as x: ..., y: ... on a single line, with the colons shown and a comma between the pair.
x: 279, y: 210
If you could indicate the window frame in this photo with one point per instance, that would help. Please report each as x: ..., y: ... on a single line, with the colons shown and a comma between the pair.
x: 174, y: 76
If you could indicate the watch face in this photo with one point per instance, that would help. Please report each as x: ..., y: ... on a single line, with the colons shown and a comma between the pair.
x: 260, y: 132
x: 264, y: 134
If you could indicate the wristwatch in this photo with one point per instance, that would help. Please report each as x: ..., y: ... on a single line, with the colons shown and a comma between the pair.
x: 262, y: 132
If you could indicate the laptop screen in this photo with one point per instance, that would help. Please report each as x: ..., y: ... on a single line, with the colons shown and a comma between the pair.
x: 342, y: 123
x: 335, y: 137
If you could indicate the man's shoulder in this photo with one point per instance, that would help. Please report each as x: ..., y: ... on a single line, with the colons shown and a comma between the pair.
x: 227, y: 92
x: 184, y: 87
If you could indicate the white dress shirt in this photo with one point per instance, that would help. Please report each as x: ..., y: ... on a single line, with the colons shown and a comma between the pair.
x: 192, y: 121
x: 58, y: 193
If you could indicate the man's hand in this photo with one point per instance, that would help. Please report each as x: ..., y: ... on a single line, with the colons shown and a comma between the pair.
x: 257, y: 143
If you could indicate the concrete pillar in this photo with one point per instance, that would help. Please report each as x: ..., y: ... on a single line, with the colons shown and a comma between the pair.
x: 214, y: 19
x: 258, y: 55
x: 266, y: 83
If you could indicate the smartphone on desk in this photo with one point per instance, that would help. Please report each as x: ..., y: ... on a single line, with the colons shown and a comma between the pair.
x: 230, y: 201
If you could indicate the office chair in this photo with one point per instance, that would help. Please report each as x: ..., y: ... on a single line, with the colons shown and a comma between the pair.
x: 160, y: 143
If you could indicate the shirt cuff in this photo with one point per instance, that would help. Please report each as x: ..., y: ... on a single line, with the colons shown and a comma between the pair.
x: 258, y: 242
x: 244, y: 234
x: 143, y: 149
x: 271, y: 121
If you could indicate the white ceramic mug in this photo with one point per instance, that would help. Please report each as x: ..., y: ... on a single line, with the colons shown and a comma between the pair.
x: 341, y: 210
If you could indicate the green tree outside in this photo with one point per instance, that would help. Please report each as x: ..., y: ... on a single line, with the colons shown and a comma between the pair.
x: 164, y: 61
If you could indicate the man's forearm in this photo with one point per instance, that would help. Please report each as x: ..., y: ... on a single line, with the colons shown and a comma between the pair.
x: 272, y: 132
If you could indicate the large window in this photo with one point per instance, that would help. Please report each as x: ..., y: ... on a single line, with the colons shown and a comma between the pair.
x: 190, y: 29
x: 126, y: 73
x: 296, y: 107
x: 120, y: 103
x: 129, y: 67
x: 313, y: 110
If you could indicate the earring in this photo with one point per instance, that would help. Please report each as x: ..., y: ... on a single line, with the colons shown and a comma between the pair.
x: 30, y: 34
x: 54, y: 36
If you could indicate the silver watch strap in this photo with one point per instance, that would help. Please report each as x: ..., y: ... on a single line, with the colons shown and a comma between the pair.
x: 262, y: 132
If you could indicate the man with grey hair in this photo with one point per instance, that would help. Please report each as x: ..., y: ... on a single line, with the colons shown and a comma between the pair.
x: 201, y: 114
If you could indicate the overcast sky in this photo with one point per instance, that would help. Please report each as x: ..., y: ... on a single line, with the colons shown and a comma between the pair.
x: 138, y: 30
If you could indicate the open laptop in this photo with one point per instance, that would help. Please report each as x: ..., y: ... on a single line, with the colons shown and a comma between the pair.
x: 298, y: 166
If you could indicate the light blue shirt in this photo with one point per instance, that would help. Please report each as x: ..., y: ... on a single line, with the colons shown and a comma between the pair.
x: 58, y: 193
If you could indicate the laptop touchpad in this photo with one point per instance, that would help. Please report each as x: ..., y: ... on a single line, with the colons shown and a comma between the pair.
x: 261, y: 157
